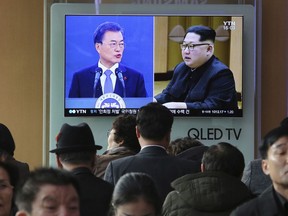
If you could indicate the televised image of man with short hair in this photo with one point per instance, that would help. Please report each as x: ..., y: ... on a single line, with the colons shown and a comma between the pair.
x: 201, y: 81
x: 108, y: 75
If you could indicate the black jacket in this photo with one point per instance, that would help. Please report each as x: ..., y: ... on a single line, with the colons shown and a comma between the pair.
x: 264, y: 205
x: 95, y: 193
x: 154, y: 161
x: 211, y: 86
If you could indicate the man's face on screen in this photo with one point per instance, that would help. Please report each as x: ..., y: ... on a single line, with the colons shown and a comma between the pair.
x: 194, y: 52
x: 111, y: 49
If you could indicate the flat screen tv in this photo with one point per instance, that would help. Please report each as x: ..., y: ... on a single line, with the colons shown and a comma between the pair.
x: 152, y: 48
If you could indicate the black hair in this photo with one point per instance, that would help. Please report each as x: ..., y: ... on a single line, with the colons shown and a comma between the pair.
x: 181, y: 144
x: 12, y: 171
x: 27, y: 192
x: 270, y: 138
x: 80, y: 157
x: 124, y: 126
x: 205, y: 32
x: 6, y: 140
x: 103, y: 28
x: 154, y: 121
x: 224, y: 157
x: 132, y: 186
x: 13, y: 175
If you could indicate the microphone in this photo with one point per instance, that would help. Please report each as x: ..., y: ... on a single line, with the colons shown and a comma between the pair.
x: 120, y: 77
x: 98, y: 73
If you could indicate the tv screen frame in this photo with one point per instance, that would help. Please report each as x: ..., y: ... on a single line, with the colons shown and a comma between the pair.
x: 140, y: 36
x: 208, y: 129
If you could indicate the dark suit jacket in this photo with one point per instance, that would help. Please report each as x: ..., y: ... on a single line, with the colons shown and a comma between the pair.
x: 211, y: 86
x: 95, y: 193
x: 154, y: 161
x: 83, y: 83
x: 263, y: 205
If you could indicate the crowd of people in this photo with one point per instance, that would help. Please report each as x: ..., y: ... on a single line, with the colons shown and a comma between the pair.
x: 143, y: 172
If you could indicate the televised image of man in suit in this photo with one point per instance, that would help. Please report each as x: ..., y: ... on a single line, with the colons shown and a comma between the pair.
x: 201, y: 81
x: 108, y: 75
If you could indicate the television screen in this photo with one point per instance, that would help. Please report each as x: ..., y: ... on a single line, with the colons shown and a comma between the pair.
x: 150, y: 55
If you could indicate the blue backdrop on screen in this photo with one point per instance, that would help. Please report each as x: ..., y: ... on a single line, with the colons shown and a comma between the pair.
x: 139, y: 44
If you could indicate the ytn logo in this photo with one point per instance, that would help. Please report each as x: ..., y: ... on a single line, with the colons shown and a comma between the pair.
x: 229, y: 25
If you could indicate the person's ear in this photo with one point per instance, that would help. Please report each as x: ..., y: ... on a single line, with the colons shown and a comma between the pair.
x: 59, y: 164
x: 120, y: 143
x: 202, y: 167
x: 210, y: 48
x: 265, y: 166
x: 137, y: 132
x: 97, y: 46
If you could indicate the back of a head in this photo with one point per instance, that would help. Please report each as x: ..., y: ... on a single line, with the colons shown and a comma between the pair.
x: 181, y: 144
x: 6, y: 140
x: 205, y: 32
x: 270, y: 138
x: 224, y: 157
x: 27, y: 192
x: 132, y: 186
x: 284, y: 122
x: 154, y: 121
x: 124, y: 126
x: 78, y: 158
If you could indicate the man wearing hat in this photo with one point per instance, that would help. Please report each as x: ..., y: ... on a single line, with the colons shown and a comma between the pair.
x: 75, y: 151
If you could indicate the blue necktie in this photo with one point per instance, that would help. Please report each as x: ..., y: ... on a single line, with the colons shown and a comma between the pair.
x: 108, y: 87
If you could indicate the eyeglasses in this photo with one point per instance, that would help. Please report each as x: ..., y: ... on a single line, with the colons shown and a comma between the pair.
x: 191, y: 46
x: 5, y: 185
x: 113, y: 45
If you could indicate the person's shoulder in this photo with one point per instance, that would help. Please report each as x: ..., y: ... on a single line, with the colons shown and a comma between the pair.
x: 216, y: 63
x: 129, y: 70
x: 264, y: 203
x: 247, y: 208
x: 103, y: 184
x: 181, y: 67
x: 122, y: 160
x: 87, y: 69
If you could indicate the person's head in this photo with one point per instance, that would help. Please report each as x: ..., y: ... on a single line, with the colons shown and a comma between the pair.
x: 181, y: 144
x: 75, y: 145
x: 198, y: 45
x: 274, y: 153
x: 284, y: 122
x: 48, y: 191
x: 154, y: 122
x: 123, y: 133
x: 8, y: 180
x: 7, y: 144
x: 135, y: 194
x: 109, y: 43
x: 224, y: 157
